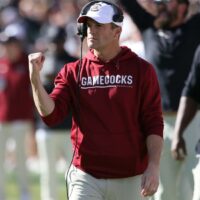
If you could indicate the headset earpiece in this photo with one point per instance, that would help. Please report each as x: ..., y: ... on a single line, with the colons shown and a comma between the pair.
x: 82, y: 30
x: 118, y: 18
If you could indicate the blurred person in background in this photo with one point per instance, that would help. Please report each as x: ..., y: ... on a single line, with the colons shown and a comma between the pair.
x: 27, y: 16
x: 12, y: 23
x: 32, y: 16
x: 61, y: 14
x: 53, y: 142
x: 16, y: 109
x: 188, y: 107
x: 131, y: 36
x: 170, y: 39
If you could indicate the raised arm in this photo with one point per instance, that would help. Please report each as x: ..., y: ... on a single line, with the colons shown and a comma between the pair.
x: 141, y: 13
x: 44, y: 104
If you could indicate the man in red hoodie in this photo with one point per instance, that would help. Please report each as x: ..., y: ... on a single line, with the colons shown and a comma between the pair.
x: 117, y: 119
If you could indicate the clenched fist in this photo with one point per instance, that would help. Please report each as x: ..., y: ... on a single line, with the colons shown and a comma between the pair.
x: 36, y: 61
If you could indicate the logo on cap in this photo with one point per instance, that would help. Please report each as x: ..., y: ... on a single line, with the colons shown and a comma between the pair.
x: 96, y: 7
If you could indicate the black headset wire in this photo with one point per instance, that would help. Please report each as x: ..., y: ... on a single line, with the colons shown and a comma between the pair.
x: 78, y: 112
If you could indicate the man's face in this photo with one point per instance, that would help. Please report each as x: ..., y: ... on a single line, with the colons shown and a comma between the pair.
x: 167, y: 12
x: 100, y: 36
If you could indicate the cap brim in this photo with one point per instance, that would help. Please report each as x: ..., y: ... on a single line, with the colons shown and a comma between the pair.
x: 100, y: 20
x: 83, y: 19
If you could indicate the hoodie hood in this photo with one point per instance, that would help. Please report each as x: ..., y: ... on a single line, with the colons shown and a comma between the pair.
x: 123, y: 55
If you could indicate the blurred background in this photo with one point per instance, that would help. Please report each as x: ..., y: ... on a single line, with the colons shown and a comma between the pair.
x: 42, y: 25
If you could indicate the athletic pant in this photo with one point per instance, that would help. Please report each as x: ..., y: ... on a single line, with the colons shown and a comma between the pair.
x: 82, y: 186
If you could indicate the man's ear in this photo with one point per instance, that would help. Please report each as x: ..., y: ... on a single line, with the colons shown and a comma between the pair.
x: 118, y: 32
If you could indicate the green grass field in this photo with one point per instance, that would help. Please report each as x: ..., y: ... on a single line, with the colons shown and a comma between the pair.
x: 13, y: 193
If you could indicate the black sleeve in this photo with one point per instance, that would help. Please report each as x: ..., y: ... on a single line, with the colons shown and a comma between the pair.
x: 140, y: 17
x: 192, y: 85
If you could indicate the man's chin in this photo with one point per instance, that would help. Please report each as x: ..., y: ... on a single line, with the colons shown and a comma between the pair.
x: 91, y: 45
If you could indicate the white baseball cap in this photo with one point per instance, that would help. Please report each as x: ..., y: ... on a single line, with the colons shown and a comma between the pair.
x: 100, y: 12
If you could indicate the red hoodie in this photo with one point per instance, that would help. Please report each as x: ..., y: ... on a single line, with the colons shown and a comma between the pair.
x: 16, y: 102
x: 116, y: 107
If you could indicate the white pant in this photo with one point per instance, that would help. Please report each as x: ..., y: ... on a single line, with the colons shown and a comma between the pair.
x: 82, y: 186
x: 50, y: 145
x: 177, y: 181
x: 16, y: 130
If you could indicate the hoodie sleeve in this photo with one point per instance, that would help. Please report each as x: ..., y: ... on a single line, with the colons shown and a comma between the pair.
x: 61, y: 96
x: 151, y: 111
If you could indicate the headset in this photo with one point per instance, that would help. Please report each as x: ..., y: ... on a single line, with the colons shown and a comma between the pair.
x: 82, y: 27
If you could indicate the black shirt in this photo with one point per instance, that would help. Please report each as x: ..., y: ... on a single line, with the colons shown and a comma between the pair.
x: 170, y: 51
x: 192, y: 85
